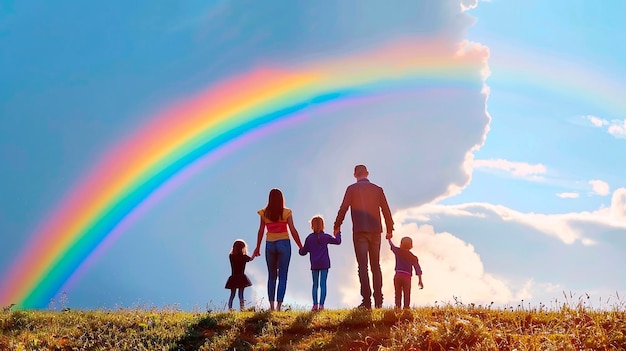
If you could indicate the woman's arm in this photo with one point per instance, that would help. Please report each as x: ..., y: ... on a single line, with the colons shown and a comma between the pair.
x: 294, y: 232
x: 259, y: 238
x: 304, y: 249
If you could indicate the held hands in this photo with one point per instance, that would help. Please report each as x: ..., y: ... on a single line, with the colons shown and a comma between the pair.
x: 256, y: 253
x: 389, y: 235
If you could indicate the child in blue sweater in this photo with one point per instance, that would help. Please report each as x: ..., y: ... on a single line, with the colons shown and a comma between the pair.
x: 316, y: 245
x: 406, y: 262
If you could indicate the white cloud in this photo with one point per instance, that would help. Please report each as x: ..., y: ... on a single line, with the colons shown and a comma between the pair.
x: 468, y: 4
x: 618, y: 129
x: 618, y: 205
x: 451, y: 268
x: 615, y: 127
x: 520, y: 169
x: 568, y: 195
x: 507, y: 255
x: 596, y: 121
x: 600, y: 187
x: 553, y: 225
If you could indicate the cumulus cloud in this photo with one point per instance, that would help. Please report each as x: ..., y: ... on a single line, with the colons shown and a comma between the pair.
x: 616, y: 127
x: 519, y: 169
x: 618, y: 205
x: 568, y: 195
x: 600, y: 187
x: 519, y: 255
x: 553, y: 225
x: 468, y: 4
x: 452, y: 268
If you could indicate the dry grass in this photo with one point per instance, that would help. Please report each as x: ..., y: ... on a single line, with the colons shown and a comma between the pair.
x: 449, y: 327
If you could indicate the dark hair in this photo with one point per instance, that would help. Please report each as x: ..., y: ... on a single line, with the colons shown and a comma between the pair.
x: 360, y: 170
x: 317, y: 224
x: 275, y: 205
x: 239, y: 248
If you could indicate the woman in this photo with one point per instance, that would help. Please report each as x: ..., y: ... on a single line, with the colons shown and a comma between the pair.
x: 276, y: 219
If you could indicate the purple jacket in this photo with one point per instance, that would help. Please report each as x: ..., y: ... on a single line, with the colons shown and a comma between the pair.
x: 317, y: 245
x: 406, y: 261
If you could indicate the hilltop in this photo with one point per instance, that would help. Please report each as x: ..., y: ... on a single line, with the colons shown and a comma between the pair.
x: 428, y: 328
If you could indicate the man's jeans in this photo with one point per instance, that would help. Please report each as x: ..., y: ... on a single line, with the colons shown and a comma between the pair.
x: 277, y: 256
x: 367, y: 245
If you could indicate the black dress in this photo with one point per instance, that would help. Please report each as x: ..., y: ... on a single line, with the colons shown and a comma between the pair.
x: 238, y: 279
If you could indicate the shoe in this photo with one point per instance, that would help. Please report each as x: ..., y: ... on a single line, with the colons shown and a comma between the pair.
x: 364, y: 306
x: 321, y: 307
x: 378, y: 305
x: 314, y: 308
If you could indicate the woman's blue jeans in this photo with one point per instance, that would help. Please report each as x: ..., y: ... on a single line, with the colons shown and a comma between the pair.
x: 277, y: 256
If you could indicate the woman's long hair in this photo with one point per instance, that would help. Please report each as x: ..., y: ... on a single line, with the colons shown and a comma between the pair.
x: 275, y: 205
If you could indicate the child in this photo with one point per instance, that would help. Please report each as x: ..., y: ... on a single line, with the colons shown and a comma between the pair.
x: 405, y: 263
x: 238, y: 280
x: 316, y: 244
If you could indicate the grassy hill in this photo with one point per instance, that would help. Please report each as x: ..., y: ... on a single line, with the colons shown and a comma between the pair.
x: 450, y: 327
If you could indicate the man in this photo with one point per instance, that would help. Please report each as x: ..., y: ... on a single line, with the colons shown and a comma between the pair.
x: 366, y: 200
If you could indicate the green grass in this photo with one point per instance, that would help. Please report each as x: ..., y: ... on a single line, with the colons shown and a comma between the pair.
x: 449, y: 327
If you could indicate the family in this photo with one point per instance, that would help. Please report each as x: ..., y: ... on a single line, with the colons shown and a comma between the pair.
x: 366, y: 201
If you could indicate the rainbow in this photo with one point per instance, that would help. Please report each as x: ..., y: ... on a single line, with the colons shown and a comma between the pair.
x: 202, y: 125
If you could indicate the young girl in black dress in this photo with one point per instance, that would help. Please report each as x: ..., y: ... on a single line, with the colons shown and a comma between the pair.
x: 238, y: 280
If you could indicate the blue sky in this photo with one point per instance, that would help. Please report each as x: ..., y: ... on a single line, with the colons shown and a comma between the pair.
x: 515, y: 195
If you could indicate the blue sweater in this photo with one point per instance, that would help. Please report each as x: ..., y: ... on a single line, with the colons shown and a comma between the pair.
x: 317, y: 245
x: 406, y: 261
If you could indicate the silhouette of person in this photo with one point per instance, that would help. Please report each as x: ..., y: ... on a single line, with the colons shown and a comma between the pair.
x: 406, y: 262
x: 276, y: 218
x: 316, y: 245
x: 366, y: 200
x: 238, y: 279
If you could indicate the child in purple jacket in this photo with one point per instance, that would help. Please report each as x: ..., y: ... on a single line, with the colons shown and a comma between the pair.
x: 406, y: 262
x: 316, y: 244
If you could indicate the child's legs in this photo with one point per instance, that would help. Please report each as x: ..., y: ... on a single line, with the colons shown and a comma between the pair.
x: 316, y: 281
x: 323, y: 278
x: 241, y: 294
x: 397, y: 286
x: 406, y: 290
x: 232, y: 297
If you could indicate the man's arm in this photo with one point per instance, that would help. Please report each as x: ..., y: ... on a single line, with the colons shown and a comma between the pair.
x: 384, y: 206
x: 341, y: 214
